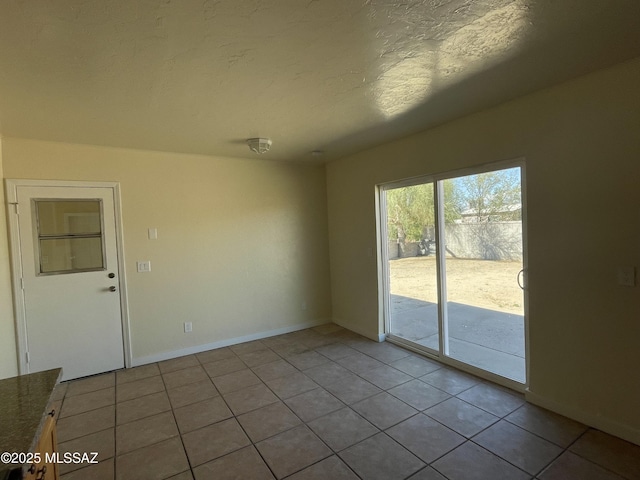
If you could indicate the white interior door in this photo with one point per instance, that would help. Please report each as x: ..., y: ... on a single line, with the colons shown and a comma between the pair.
x: 70, y: 279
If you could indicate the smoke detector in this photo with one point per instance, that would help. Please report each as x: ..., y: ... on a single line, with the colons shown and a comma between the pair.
x: 259, y: 145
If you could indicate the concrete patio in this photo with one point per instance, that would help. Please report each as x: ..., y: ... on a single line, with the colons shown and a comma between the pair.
x: 487, y: 339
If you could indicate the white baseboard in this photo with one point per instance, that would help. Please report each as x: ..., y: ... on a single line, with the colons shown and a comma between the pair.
x: 593, y: 420
x: 159, y: 357
x: 376, y: 338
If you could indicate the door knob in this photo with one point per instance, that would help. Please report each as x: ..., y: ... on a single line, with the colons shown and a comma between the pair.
x: 112, y: 288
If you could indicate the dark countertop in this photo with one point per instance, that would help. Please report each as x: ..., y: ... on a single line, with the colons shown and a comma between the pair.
x: 23, y: 403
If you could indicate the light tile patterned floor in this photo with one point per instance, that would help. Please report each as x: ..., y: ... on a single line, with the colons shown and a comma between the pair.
x: 322, y: 403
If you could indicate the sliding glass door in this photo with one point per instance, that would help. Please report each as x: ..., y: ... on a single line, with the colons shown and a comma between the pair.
x: 413, y: 276
x: 454, y: 268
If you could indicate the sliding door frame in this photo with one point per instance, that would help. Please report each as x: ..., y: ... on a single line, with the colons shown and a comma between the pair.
x: 384, y: 287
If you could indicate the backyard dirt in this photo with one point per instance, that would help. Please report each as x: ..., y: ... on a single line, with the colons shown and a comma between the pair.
x: 481, y: 283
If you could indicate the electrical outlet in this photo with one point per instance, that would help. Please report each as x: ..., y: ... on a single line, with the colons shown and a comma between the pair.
x: 188, y: 327
x: 627, y: 276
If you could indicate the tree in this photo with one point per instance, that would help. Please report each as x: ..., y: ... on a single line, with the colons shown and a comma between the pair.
x: 486, y: 199
x: 411, y: 210
x: 474, y: 199
x: 490, y: 196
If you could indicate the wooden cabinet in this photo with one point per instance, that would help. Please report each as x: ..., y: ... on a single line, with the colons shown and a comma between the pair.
x: 26, y: 428
x: 47, y: 446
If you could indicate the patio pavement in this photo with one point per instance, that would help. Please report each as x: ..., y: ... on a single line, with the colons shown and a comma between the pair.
x: 487, y: 339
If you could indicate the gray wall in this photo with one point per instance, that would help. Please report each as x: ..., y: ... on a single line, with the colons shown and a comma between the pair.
x: 483, y: 241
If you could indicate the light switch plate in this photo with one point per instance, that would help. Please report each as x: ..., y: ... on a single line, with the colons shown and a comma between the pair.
x: 153, y: 234
x: 144, y: 267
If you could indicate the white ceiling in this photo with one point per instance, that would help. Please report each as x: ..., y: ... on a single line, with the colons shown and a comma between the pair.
x: 201, y: 76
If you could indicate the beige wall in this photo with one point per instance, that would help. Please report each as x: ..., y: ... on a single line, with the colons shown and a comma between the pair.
x: 8, y: 360
x: 241, y: 243
x: 581, y: 142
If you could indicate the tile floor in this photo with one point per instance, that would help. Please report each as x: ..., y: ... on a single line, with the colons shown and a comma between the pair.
x: 322, y: 403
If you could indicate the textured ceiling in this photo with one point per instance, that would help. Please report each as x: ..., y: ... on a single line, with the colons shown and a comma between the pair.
x: 201, y: 76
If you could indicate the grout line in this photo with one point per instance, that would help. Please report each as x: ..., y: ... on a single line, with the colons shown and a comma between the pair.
x: 173, y: 414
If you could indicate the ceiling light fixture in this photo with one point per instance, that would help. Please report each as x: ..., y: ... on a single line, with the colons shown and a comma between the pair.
x: 259, y: 145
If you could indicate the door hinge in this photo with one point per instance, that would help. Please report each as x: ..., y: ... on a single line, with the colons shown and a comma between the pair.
x: 22, y: 283
x: 28, y: 358
x: 15, y: 206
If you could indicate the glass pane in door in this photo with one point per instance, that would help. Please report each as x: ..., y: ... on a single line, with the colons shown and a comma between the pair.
x: 58, y: 255
x: 68, y: 217
x: 483, y: 260
x: 413, y: 288
x: 70, y: 236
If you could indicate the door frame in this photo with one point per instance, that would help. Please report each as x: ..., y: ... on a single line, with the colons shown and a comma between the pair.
x: 11, y: 186
x: 384, y: 309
